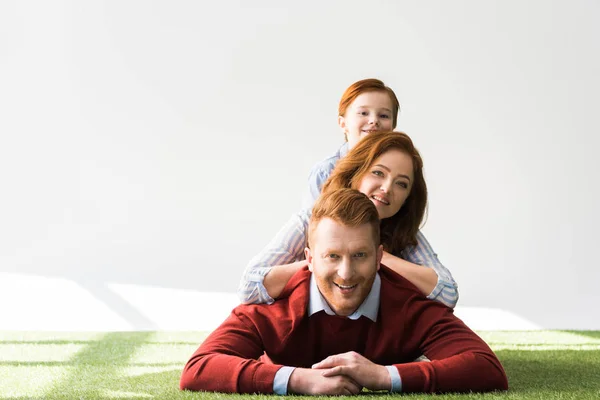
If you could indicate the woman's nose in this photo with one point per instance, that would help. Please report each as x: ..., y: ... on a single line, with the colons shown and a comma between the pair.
x: 385, y: 187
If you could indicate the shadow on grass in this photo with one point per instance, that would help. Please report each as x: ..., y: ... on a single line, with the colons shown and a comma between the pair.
x: 92, y: 370
x: 551, y: 370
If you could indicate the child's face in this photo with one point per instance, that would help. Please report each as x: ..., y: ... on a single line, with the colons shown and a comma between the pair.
x: 369, y: 112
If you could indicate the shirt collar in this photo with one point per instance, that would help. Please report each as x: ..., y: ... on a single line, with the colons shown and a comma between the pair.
x: 369, y: 307
x: 343, y: 150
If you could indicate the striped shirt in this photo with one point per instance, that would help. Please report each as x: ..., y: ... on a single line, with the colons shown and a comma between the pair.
x: 289, y: 243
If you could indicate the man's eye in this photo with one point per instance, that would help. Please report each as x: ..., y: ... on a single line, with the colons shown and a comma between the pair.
x: 333, y: 256
x: 360, y: 254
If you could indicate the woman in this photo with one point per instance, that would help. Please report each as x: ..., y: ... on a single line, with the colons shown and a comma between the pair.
x: 388, y: 169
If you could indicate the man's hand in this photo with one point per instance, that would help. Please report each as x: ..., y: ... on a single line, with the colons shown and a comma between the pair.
x: 363, y: 371
x: 313, y: 382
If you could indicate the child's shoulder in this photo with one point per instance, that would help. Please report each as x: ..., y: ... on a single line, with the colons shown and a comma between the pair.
x: 326, y: 165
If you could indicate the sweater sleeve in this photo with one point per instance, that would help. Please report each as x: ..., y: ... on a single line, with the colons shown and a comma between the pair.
x: 460, y: 360
x: 227, y: 361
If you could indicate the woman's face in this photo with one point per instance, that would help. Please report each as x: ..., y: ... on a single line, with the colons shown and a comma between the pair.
x: 369, y: 112
x: 388, y: 182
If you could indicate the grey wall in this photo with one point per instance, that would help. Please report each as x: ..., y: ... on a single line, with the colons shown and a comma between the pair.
x: 164, y: 143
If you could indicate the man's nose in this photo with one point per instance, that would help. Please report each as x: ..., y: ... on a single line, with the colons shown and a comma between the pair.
x: 345, y: 270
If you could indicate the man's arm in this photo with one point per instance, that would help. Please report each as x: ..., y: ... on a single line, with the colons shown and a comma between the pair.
x: 227, y: 361
x: 365, y: 372
x: 460, y: 360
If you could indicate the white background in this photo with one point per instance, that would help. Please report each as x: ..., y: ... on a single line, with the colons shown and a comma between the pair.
x: 163, y: 143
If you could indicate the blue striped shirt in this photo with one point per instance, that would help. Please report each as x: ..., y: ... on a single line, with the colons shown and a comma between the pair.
x: 289, y: 243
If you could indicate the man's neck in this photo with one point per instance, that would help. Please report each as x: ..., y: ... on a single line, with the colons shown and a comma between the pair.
x: 369, y: 307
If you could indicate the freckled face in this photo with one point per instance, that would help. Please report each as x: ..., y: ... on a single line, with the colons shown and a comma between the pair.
x: 388, y: 182
x: 344, y: 261
x: 369, y: 112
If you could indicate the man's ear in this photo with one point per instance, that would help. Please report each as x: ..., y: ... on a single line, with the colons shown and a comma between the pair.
x: 379, y: 256
x: 308, y: 258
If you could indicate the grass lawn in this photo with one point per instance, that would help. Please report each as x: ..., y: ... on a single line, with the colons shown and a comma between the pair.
x: 139, y: 365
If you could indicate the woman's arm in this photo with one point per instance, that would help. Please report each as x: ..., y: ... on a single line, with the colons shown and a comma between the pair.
x: 422, y: 277
x: 269, y: 271
x: 420, y: 265
x: 278, y: 277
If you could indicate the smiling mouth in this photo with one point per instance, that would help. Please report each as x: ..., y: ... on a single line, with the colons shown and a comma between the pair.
x: 345, y: 288
x: 381, y: 200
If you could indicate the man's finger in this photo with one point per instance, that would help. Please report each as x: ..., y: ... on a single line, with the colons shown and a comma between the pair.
x: 354, y: 387
x: 329, y: 362
x: 335, y: 371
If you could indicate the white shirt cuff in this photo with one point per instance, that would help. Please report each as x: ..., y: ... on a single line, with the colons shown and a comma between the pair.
x: 395, y: 377
x: 282, y: 377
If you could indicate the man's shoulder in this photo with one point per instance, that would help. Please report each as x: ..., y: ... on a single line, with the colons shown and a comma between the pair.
x: 400, y: 295
x: 396, y: 287
x: 297, y: 288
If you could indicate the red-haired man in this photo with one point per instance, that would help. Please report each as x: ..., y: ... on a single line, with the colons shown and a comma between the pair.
x: 343, y: 324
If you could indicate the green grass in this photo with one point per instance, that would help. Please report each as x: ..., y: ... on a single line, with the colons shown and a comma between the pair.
x: 146, y: 365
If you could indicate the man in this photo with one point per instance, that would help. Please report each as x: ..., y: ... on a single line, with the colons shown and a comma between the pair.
x: 343, y: 324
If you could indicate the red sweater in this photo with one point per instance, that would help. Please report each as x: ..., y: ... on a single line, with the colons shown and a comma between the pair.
x: 408, y: 325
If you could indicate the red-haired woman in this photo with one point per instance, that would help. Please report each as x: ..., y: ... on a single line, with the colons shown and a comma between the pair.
x: 389, y: 170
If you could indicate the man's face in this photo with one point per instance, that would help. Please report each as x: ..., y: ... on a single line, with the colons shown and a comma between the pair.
x: 344, y: 261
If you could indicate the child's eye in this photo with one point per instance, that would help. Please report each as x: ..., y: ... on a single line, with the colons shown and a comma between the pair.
x: 384, y: 116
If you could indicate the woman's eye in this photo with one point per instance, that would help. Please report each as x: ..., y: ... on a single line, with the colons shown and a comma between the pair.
x: 378, y: 173
x: 402, y: 184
